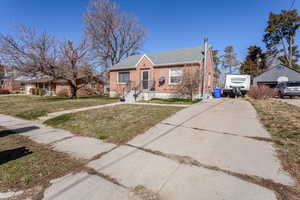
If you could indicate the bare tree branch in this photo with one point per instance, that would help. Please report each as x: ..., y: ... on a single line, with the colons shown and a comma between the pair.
x: 112, y: 35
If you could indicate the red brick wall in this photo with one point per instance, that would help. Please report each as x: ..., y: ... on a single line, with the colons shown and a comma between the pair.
x: 157, y: 72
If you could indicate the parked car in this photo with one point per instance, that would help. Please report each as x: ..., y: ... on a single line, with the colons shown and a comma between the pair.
x: 289, y: 89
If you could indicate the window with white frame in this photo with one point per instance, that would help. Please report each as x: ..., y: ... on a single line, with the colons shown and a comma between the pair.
x: 175, y: 75
x: 123, y: 77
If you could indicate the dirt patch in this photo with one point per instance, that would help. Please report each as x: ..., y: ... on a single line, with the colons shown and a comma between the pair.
x: 142, y: 193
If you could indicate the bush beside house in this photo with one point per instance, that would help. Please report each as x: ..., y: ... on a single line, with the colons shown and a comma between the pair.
x: 261, y: 92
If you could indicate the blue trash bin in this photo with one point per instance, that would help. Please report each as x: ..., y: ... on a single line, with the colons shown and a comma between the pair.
x: 217, y: 93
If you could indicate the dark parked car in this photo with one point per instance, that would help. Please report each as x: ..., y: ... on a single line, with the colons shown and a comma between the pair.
x: 289, y: 89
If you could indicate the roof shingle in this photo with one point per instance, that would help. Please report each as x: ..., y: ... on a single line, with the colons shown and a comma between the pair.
x: 277, y: 71
x: 187, y: 55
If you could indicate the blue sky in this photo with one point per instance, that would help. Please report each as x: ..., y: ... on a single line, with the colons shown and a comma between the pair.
x: 170, y: 24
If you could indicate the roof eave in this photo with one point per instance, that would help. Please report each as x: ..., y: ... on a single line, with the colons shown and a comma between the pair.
x: 119, y: 69
x: 177, y: 63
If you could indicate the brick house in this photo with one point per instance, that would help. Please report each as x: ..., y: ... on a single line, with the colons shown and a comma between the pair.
x: 62, y: 87
x: 24, y: 84
x: 157, y: 75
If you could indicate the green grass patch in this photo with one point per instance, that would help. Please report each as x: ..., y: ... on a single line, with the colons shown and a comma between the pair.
x: 174, y: 101
x: 59, y: 120
x: 116, y: 124
x: 33, y: 107
x: 32, y: 114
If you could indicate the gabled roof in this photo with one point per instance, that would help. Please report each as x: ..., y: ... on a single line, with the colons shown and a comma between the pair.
x: 272, y: 74
x: 180, y: 56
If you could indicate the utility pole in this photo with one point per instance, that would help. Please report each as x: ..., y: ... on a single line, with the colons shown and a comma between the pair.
x: 204, y: 66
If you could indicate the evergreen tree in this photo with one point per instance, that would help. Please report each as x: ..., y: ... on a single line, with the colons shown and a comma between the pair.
x: 255, y: 61
x: 229, y: 59
x: 280, y: 37
x: 217, y: 62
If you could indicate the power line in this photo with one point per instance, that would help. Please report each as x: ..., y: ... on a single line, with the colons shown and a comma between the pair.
x: 292, y: 5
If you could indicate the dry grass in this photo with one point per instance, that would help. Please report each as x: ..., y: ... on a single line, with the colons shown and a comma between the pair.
x: 20, y: 171
x: 282, y: 120
x: 32, y: 107
x: 116, y: 124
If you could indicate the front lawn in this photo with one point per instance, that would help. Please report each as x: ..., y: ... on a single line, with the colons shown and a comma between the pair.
x: 282, y: 121
x: 116, y: 124
x: 33, y: 107
x: 24, y: 163
x: 174, y: 101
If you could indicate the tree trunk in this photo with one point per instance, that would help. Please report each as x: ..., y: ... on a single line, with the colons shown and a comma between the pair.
x: 73, y: 91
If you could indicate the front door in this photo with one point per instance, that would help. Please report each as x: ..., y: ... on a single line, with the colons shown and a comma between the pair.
x: 145, y: 79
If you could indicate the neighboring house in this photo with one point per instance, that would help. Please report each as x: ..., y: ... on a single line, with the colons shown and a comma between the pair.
x: 10, y: 82
x: 16, y: 82
x: 157, y: 75
x: 62, y: 87
x: 24, y: 84
x: 276, y: 74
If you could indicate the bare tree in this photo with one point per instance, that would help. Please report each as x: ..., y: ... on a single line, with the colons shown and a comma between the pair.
x: 35, y: 53
x: 2, y: 71
x: 113, y: 35
x: 190, y: 80
x: 76, y: 66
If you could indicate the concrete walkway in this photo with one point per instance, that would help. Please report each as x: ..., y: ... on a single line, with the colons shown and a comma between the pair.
x: 214, y: 150
x: 55, y: 114
x: 160, y: 104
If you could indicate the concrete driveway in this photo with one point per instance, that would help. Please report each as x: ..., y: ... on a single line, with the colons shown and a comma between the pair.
x: 215, y: 150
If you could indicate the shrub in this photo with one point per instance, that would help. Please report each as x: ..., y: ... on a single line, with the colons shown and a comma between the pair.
x: 261, y: 92
x: 63, y: 92
x: 32, y: 91
x: 4, y: 91
x: 37, y: 91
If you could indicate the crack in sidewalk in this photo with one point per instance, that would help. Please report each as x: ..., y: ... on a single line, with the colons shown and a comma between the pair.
x: 91, y: 171
x: 224, y: 133
x: 283, y: 192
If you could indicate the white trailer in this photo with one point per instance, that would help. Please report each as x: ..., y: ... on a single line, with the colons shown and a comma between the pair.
x: 236, y: 85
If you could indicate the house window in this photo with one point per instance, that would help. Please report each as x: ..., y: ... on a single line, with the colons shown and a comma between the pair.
x: 123, y: 77
x: 175, y: 75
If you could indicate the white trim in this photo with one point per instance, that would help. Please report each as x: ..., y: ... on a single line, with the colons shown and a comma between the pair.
x: 121, y: 83
x: 142, y: 59
x: 170, y: 75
